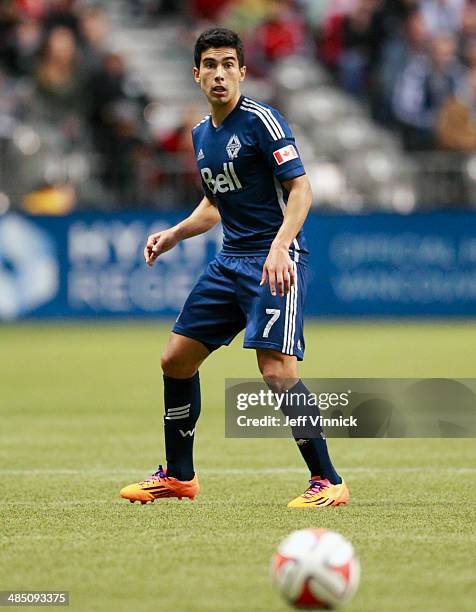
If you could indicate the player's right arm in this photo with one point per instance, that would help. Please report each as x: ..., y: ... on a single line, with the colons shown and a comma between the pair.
x: 202, y: 219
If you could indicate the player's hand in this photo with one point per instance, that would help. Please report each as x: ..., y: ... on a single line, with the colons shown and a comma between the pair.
x: 278, y: 271
x: 159, y: 243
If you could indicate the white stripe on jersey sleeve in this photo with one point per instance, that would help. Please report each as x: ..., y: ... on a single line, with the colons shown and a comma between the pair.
x: 273, y: 119
x: 263, y: 118
x: 200, y: 122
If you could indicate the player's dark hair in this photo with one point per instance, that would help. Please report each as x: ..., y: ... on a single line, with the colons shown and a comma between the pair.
x: 215, y: 38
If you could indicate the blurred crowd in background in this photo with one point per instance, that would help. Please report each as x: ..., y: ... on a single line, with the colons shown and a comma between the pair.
x: 81, y: 129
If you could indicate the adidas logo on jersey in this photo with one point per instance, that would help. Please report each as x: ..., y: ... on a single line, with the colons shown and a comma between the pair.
x: 221, y: 183
x: 200, y: 155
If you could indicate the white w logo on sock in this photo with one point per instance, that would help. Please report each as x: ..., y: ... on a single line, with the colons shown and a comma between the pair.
x: 187, y: 433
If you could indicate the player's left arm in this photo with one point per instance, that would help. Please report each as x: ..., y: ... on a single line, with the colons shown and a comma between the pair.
x: 278, y: 269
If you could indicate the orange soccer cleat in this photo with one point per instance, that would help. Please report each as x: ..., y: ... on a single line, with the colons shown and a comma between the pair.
x: 159, y: 486
x: 321, y: 493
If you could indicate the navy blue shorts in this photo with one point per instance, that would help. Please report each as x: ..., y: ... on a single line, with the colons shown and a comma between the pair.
x: 227, y: 298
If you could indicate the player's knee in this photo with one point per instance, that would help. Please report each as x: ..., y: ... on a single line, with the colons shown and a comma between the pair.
x: 275, y: 383
x: 176, y: 365
x: 274, y: 376
x: 278, y: 371
x: 166, y: 362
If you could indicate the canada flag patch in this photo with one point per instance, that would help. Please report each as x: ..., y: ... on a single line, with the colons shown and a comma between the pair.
x: 285, y: 154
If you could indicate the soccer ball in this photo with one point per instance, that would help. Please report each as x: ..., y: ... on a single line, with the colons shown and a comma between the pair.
x: 316, y: 569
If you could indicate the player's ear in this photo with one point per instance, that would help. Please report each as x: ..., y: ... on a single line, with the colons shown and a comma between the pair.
x: 196, y: 74
x: 242, y: 73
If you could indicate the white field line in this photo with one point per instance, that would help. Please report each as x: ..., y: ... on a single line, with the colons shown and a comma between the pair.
x: 100, y: 472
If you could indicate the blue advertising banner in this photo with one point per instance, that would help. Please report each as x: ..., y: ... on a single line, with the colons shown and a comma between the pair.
x: 393, y: 265
x: 91, y: 265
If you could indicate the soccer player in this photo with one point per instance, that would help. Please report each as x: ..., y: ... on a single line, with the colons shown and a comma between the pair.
x: 255, y: 184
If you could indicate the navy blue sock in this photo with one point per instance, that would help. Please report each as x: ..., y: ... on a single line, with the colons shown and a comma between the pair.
x: 182, y: 409
x: 314, y: 450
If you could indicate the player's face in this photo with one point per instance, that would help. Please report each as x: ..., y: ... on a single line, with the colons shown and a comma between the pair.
x: 220, y: 75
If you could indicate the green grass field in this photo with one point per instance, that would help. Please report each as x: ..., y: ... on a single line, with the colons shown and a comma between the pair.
x: 81, y: 416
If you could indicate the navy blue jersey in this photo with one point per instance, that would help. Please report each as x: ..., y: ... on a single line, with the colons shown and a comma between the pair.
x: 243, y: 163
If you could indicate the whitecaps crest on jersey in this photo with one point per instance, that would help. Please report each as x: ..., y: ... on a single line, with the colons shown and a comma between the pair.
x: 233, y: 147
